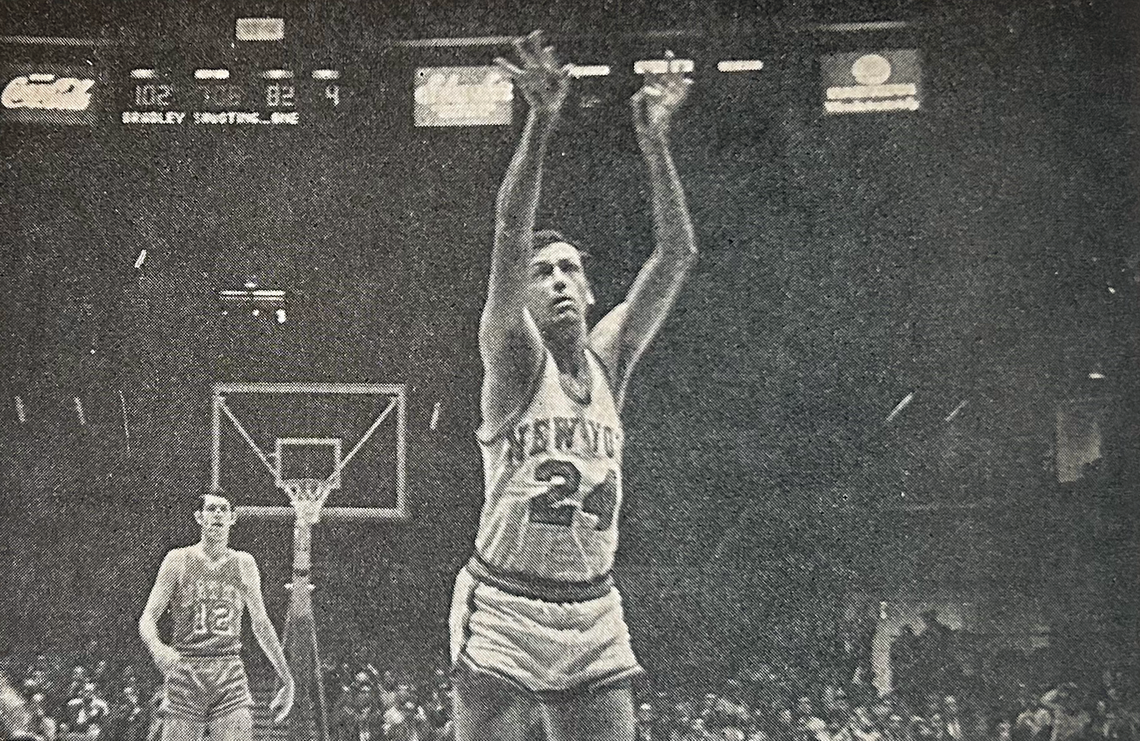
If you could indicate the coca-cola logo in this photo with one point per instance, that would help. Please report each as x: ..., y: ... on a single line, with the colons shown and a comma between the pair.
x: 47, y: 92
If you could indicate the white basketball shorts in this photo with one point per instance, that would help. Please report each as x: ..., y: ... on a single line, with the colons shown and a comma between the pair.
x: 539, y: 646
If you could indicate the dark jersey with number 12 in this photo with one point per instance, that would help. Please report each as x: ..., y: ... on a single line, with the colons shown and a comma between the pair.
x: 553, y: 482
x: 207, y: 608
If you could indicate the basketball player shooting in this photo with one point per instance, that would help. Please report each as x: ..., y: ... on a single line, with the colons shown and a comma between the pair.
x: 536, y: 620
x: 207, y: 586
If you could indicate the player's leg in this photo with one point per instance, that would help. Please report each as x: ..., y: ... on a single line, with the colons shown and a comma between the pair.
x: 177, y: 728
x: 184, y: 702
x: 603, y: 715
x: 236, y: 725
x: 230, y: 717
x: 485, y: 707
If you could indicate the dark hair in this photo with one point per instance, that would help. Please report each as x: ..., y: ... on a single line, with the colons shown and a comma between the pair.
x: 544, y: 237
x: 211, y: 491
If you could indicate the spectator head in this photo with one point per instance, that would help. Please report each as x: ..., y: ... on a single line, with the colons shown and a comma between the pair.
x: 804, y: 707
x: 15, y: 718
x: 1003, y: 730
x: 785, y: 717
x: 950, y: 705
x: 645, y: 713
x: 88, y: 690
x: 388, y: 681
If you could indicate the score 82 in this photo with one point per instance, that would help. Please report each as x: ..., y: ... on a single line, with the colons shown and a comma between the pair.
x: 280, y: 96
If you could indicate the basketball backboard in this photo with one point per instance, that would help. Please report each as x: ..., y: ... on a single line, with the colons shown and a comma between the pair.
x: 267, y: 436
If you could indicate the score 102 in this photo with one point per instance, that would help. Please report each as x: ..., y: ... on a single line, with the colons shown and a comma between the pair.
x: 222, y: 95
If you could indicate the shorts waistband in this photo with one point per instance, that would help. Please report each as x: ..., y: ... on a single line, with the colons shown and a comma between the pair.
x: 208, y: 657
x: 535, y: 587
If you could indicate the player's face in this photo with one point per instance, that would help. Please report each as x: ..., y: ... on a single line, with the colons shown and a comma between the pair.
x: 216, y: 517
x: 557, y: 290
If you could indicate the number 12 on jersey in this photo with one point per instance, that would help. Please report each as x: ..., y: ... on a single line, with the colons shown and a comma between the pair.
x: 214, y: 619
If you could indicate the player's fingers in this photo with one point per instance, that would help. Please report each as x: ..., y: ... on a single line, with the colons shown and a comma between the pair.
x: 534, y: 42
x: 547, y: 56
x: 507, y: 67
x: 640, y: 114
x: 524, y: 53
x: 529, y: 47
x: 635, y: 100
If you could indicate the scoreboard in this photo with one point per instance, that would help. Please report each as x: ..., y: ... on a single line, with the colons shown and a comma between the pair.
x: 219, y: 96
x: 68, y: 93
x: 393, y: 87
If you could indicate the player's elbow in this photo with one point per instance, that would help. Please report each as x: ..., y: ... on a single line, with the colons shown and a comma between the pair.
x: 146, y: 625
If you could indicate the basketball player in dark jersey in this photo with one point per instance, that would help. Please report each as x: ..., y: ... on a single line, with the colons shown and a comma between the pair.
x: 536, y: 621
x: 207, y: 587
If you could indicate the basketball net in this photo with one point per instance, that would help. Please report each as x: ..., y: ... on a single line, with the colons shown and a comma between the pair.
x: 308, y: 497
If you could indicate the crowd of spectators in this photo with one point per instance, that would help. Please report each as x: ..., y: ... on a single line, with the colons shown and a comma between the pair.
x: 932, y: 700
x: 88, y: 702
x: 372, y: 705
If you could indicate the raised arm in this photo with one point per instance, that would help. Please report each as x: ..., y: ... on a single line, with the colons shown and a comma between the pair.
x: 508, y: 340
x: 622, y: 335
x: 161, y: 593
x: 266, y: 635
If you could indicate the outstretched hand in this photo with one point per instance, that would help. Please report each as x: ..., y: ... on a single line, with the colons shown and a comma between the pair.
x: 541, y: 79
x: 282, y: 703
x: 657, y: 100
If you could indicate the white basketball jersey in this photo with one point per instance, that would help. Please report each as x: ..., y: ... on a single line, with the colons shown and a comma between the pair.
x: 553, y: 483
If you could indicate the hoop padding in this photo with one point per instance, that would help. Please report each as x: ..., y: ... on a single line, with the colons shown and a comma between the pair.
x: 308, y: 497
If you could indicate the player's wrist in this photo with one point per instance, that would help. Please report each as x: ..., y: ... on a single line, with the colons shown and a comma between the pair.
x: 654, y: 145
x: 545, y: 117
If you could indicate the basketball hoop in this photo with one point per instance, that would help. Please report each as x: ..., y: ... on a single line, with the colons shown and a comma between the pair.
x: 308, y: 497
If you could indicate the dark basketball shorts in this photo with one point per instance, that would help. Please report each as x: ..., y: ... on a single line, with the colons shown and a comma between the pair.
x: 206, y: 688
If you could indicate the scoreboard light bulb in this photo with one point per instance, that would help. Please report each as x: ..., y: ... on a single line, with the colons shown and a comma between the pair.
x: 281, y: 316
x: 259, y: 29
x: 589, y: 70
x: 662, y: 66
x: 740, y: 65
x: 257, y: 312
x: 211, y: 74
x: 326, y: 74
x: 250, y: 284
